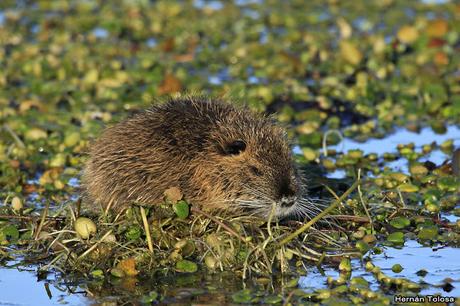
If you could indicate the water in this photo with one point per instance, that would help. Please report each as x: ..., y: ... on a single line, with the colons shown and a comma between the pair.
x: 401, y: 136
x: 2, y: 18
x: 151, y: 42
x: 440, y: 264
x: 389, y: 145
x: 215, y: 5
x: 22, y: 288
x: 100, y: 33
x: 219, y: 78
x: 435, y: 1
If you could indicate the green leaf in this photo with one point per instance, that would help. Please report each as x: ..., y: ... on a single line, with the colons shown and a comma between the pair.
x: 182, y: 209
x: 186, y: 266
x: 428, y: 233
x: 149, y: 298
x: 242, y: 296
x: 359, y: 282
x: 397, y: 268
x: 396, y: 238
x: 97, y: 273
x: 448, y: 183
x: 8, y: 234
x: 273, y: 299
x: 362, y: 246
x: 133, y: 233
x: 408, y: 187
x: 400, y: 222
x: 345, y: 264
x: 117, y: 272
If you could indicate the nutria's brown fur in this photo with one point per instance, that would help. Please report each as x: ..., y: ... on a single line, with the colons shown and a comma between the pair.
x: 221, y: 157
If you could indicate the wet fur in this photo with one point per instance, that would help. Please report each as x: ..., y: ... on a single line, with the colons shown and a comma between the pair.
x: 183, y: 143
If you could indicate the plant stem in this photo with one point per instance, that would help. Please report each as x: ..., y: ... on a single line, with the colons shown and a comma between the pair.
x: 310, y: 223
x: 146, y: 229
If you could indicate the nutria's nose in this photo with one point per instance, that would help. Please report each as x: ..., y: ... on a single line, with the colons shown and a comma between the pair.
x: 286, y: 189
x: 286, y: 193
x: 288, y: 201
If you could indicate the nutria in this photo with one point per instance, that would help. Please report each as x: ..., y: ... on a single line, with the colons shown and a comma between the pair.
x: 222, y: 157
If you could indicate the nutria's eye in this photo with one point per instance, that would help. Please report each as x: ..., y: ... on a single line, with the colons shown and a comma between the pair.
x: 256, y: 171
x: 235, y: 147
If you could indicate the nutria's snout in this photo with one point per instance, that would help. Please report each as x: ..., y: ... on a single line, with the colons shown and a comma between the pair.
x: 287, y: 193
x: 288, y: 201
x: 222, y: 157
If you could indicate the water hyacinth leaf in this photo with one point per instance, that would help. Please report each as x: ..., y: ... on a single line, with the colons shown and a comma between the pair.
x: 91, y: 77
x: 432, y: 206
x: 36, y: 134
x: 362, y: 246
x: 369, y: 238
x: 359, y: 282
x: 428, y: 233
x: 397, y: 268
x: 400, y: 222
x: 211, y: 262
x: 182, y: 209
x: 133, y: 233
x: 408, y: 188
x: 355, y: 154
x: 72, y: 139
x: 448, y: 183
x: 186, y: 266
x: 97, y: 273
x: 309, y: 153
x: 400, y: 177
x: 8, y: 234
x: 273, y: 299
x: 447, y: 145
x: 85, y: 227
x: 345, y: 264
x: 350, y: 52
x: 418, y: 170
x: 58, y: 160
x: 186, y: 247
x: 396, y: 238
x: 149, y: 298
x: 243, y: 297
x: 16, y: 204
x: 407, y: 34
x: 119, y: 273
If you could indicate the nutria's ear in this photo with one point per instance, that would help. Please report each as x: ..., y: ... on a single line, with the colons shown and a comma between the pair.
x: 234, y: 148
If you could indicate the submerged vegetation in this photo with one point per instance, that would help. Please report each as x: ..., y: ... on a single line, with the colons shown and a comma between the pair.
x: 357, y: 70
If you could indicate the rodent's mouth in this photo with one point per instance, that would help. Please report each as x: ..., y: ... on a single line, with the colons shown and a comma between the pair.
x: 292, y: 207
